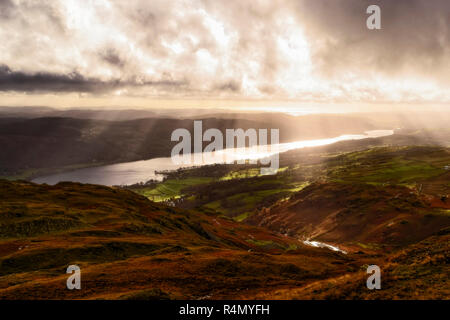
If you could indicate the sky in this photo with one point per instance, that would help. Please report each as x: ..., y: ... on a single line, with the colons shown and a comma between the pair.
x: 266, y: 54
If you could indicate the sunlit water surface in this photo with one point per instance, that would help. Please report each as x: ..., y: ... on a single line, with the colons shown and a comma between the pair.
x: 128, y: 173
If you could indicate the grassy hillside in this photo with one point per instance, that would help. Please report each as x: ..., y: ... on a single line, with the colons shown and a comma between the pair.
x: 356, y: 214
x: 400, y: 192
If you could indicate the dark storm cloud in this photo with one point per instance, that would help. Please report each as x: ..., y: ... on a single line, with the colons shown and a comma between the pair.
x: 72, y: 82
x: 21, y: 81
x: 415, y: 36
x: 7, y: 8
x: 112, y: 57
x: 232, y: 86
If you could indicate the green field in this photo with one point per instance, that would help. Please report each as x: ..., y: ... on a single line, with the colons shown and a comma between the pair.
x: 170, y: 189
x: 237, y: 191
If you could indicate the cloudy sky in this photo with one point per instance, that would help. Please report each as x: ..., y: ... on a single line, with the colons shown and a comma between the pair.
x: 234, y: 52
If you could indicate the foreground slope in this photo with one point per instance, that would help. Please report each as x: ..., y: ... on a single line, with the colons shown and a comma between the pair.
x: 420, y: 271
x: 129, y: 247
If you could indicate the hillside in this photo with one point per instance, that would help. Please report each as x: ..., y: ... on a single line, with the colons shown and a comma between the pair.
x: 419, y: 272
x: 33, y: 147
x: 39, y: 146
x: 131, y: 248
x: 128, y: 247
x: 381, y: 196
x: 357, y: 214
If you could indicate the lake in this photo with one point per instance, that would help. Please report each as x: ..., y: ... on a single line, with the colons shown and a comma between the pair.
x: 128, y: 173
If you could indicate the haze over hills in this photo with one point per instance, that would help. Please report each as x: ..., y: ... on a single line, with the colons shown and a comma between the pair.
x: 40, y: 145
x: 43, y: 141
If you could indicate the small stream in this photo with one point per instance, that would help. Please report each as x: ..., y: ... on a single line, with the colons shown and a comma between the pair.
x: 318, y: 244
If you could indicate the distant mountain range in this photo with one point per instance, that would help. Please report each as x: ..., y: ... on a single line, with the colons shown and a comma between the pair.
x: 35, y: 146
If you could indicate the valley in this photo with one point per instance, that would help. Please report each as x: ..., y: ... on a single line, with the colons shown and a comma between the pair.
x: 226, y: 232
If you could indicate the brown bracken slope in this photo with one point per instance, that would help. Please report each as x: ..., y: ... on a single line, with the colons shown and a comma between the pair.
x: 131, y: 248
x: 350, y: 213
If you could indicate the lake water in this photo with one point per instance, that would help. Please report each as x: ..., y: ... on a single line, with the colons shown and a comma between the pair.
x: 141, y: 171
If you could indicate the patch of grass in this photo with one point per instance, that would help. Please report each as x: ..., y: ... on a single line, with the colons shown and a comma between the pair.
x: 371, y: 246
x: 242, y: 174
x: 397, y: 170
x: 267, y: 244
x: 298, y: 187
x: 245, y: 203
x: 247, y: 173
x: 438, y: 212
x: 242, y: 216
x: 215, y: 205
x: 171, y: 188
